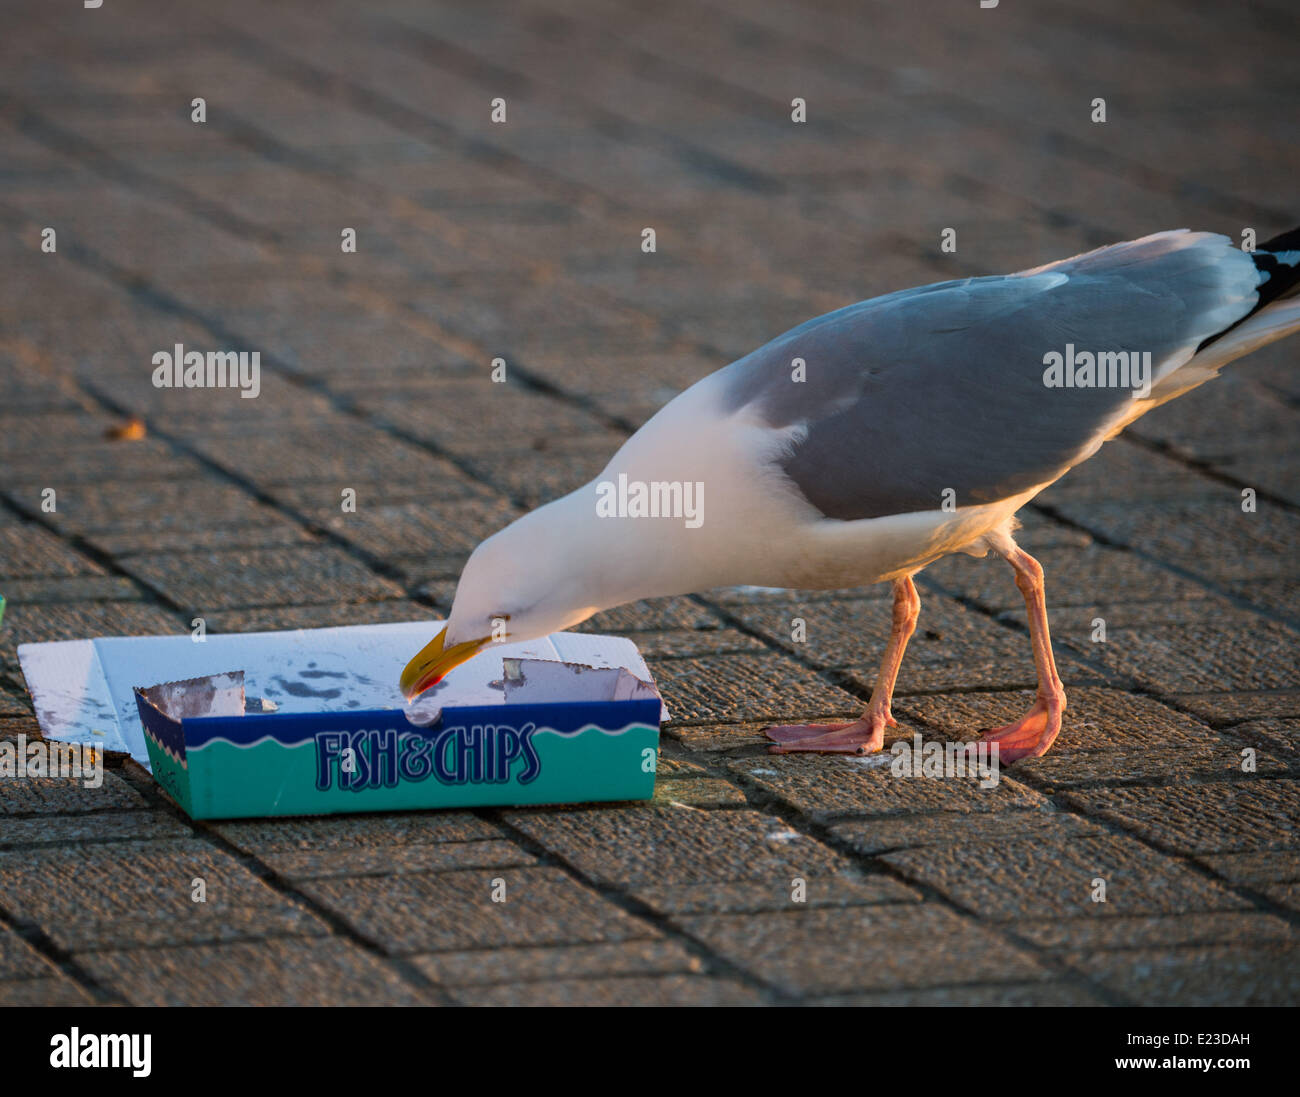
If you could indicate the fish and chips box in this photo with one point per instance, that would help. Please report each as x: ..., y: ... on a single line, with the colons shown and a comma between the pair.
x: 312, y: 722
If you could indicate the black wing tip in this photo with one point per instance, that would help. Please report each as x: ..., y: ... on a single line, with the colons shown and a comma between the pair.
x: 1285, y: 241
x: 1283, y: 277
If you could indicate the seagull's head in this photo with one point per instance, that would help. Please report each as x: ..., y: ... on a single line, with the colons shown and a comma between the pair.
x: 539, y: 575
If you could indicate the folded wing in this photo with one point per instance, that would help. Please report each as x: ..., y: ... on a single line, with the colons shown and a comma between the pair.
x: 942, y: 388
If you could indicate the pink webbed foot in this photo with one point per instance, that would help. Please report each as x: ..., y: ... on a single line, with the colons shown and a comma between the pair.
x: 865, y: 736
x: 1031, y: 735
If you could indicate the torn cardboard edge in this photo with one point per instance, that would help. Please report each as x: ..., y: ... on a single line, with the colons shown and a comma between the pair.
x: 544, y: 681
x: 164, y: 708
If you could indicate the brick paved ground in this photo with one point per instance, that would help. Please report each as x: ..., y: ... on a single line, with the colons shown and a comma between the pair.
x: 522, y: 241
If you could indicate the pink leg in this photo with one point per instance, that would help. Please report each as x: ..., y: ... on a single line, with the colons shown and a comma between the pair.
x: 867, y: 734
x: 1033, y: 733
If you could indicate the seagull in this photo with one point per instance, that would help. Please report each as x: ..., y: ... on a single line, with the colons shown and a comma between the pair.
x: 867, y: 443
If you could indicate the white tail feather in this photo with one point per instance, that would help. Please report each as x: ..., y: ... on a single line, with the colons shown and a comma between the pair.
x: 1267, y: 326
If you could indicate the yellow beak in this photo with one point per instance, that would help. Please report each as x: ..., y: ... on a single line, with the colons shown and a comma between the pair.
x: 433, y: 662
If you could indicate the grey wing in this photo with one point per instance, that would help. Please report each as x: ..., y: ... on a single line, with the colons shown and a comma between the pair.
x: 942, y: 388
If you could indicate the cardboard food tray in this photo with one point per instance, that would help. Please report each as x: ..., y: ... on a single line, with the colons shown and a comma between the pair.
x: 312, y: 721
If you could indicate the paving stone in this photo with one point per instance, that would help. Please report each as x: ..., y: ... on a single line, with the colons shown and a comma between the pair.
x: 1238, y: 816
x: 707, y: 792
x: 1076, y: 623
x: 139, y: 894
x: 78, y: 588
x: 31, y: 552
x: 1039, y: 531
x: 1089, y: 934
x: 1212, y: 655
x: 425, y: 858
x: 161, y: 505
x: 207, y: 580
x: 374, y: 844
x: 531, y: 483
x: 419, y: 533
x: 37, y: 624
x: 1194, y: 534
x: 319, y: 503
x: 451, y: 415
x: 278, y: 972
x: 101, y: 826
x: 1224, y: 975
x: 889, y: 832
x: 18, y: 960
x: 274, y: 619
x: 1227, y: 708
x: 1106, y: 735
x: 1124, y: 470
x: 824, y: 787
x: 56, y: 990
x: 421, y: 912
x: 1284, y: 895
x: 1257, y: 870
x: 1206, y: 428
x: 1277, y: 597
x: 635, y: 404
x: 269, y: 530
x: 827, y: 951
x: 720, y: 737
x: 854, y: 632
x: 16, y: 716
x: 716, y: 688
x: 441, y: 592
x: 753, y: 896
x: 35, y: 393
x: 980, y: 672
x: 89, y: 462
x: 662, y: 846
x: 1019, y: 995
x: 690, y: 643
x: 57, y: 795
x: 559, y: 306
x: 514, y: 965
x: 653, y: 615
x: 369, y: 831
x: 661, y: 990
x: 191, y: 414
x: 1074, y: 576
x: 670, y: 767
x: 341, y: 452
x: 1053, y: 878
